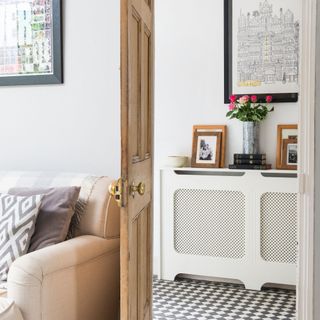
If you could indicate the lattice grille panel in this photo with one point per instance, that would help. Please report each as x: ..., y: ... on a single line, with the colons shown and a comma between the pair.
x: 209, y: 223
x: 279, y: 227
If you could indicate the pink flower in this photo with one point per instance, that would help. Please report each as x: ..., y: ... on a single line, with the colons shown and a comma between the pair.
x: 232, y: 106
x: 244, y: 99
x: 233, y: 98
x: 269, y: 99
x: 254, y: 99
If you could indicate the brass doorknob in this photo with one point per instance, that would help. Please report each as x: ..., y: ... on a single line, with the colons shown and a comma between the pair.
x: 140, y: 188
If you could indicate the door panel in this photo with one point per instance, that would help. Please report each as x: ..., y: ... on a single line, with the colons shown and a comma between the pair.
x: 135, y: 88
x: 136, y: 158
x: 133, y: 270
x: 146, y: 92
x: 139, y: 267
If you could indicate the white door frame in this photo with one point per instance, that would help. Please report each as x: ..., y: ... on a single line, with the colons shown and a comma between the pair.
x: 305, y: 287
x: 306, y: 162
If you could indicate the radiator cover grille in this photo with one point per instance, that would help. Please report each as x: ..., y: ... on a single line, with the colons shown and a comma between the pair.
x: 279, y: 227
x: 210, y: 223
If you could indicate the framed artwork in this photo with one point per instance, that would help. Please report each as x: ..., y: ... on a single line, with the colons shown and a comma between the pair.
x: 262, y: 40
x: 206, y: 149
x: 215, y: 128
x: 287, y: 147
x: 290, y: 154
x: 30, y: 42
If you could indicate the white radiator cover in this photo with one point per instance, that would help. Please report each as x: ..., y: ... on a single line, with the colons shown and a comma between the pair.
x: 240, y: 225
x: 209, y: 223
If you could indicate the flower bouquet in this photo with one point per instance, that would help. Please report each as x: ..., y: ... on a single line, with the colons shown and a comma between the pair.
x: 251, y: 112
x: 248, y: 109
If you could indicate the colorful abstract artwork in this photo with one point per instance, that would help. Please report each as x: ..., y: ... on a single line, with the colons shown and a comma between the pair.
x: 26, y: 38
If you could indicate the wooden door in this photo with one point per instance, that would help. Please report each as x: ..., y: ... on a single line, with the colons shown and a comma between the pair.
x: 136, y: 169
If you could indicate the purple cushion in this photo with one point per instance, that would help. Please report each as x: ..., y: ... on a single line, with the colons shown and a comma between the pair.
x: 55, y: 214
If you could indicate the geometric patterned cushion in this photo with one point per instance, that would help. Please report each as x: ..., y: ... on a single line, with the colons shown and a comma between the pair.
x: 41, y: 179
x: 17, y: 222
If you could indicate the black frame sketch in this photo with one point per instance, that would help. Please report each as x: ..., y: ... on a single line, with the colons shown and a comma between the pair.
x: 228, y: 63
x: 56, y: 77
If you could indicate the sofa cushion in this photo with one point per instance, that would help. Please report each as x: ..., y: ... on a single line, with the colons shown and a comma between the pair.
x: 17, y: 223
x: 3, y: 292
x: 56, y: 211
x: 8, y: 310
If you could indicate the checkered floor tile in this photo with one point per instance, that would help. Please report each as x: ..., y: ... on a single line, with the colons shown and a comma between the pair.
x: 202, y: 300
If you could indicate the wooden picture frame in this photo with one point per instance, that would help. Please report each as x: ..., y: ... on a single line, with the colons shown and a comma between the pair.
x: 284, y: 132
x: 283, y: 89
x: 210, y: 148
x: 285, y: 154
x: 215, y: 128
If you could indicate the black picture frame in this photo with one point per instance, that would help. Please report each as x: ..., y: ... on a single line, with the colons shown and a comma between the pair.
x: 57, y: 49
x: 228, y: 37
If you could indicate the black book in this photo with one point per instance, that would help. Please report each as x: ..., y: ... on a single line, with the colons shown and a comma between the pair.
x: 249, y: 161
x: 250, y: 167
x: 242, y: 156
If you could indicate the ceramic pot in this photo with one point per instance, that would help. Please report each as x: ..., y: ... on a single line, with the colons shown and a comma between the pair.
x: 176, y: 161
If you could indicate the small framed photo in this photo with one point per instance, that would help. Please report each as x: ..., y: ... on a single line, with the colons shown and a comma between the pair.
x: 287, y: 147
x: 290, y: 154
x: 215, y: 128
x: 206, y: 149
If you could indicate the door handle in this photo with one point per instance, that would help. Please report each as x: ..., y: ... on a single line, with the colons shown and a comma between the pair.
x: 140, y: 189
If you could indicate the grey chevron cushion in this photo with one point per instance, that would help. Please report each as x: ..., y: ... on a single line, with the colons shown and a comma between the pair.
x: 17, y: 223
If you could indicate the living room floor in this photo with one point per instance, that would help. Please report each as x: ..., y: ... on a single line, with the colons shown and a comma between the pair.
x: 203, y: 300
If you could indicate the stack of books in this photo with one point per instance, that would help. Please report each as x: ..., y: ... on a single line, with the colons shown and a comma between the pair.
x: 250, y: 162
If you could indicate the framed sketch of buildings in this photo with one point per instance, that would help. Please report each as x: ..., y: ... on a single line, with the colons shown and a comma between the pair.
x: 262, y: 48
x: 30, y: 42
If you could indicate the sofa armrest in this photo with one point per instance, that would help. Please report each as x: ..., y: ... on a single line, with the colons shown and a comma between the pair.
x: 74, y: 280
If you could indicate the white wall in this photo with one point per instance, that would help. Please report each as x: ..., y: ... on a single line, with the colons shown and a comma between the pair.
x: 72, y: 127
x: 189, y: 85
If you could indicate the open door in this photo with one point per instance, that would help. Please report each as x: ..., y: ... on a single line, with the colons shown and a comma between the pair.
x: 134, y: 190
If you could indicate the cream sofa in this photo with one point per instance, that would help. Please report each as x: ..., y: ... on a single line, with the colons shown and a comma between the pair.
x: 79, y: 278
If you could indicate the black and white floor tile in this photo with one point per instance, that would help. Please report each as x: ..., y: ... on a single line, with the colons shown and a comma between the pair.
x: 202, y: 300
